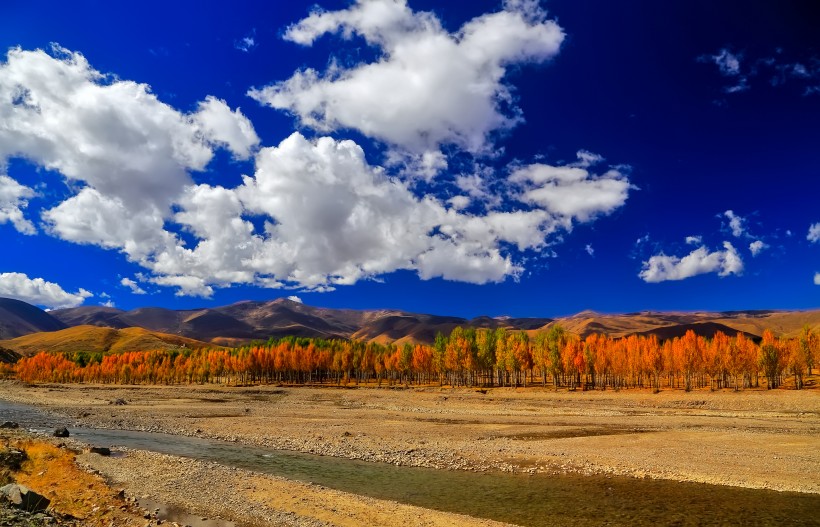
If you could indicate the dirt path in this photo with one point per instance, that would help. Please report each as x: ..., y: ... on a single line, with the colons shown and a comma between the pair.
x: 756, y: 439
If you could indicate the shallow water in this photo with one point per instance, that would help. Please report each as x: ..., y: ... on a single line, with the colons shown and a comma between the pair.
x: 528, y: 500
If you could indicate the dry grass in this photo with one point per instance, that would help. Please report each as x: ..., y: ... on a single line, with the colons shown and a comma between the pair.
x: 52, y: 472
x: 95, y: 339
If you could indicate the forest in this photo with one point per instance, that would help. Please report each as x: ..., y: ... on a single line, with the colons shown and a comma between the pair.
x: 467, y: 357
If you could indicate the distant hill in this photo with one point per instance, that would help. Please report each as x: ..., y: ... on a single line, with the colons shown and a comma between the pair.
x: 704, y: 329
x: 94, y: 339
x: 671, y: 324
x: 245, y: 321
x: 19, y: 318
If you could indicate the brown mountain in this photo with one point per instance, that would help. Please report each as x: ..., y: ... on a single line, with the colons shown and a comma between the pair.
x: 670, y: 324
x: 277, y: 318
x: 94, y: 339
x: 245, y: 321
x: 19, y: 318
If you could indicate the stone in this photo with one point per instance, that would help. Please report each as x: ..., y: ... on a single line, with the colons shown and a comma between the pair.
x: 12, y: 459
x: 101, y: 450
x: 24, y: 498
x: 9, y: 424
x: 61, y: 432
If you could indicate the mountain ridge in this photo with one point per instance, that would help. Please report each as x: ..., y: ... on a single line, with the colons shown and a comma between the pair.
x: 259, y: 320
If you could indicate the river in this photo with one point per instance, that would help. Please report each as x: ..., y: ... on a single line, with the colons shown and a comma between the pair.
x: 527, y: 500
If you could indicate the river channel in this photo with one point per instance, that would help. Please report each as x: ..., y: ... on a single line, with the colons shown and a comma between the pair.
x: 527, y: 500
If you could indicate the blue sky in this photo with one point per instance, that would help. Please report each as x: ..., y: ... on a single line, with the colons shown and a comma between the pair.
x: 465, y: 158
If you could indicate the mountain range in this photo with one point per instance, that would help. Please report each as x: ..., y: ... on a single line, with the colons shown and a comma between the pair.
x: 22, y: 324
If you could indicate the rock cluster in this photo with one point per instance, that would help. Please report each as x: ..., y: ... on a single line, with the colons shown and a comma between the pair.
x: 22, y: 497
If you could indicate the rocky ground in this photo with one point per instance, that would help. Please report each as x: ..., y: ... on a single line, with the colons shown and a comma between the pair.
x: 756, y: 439
x: 253, y: 499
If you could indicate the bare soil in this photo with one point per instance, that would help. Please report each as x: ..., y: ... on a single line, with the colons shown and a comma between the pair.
x: 755, y: 439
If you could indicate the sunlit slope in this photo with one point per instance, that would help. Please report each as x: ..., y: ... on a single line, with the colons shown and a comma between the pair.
x: 665, y: 325
x: 95, y: 339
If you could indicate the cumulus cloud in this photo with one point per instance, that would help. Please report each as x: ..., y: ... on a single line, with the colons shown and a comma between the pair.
x: 429, y: 87
x: 112, y: 136
x: 39, y: 292
x: 459, y: 202
x: 570, y: 192
x: 129, y: 154
x: 330, y: 218
x: 817, y: 279
x: 814, y: 233
x: 735, y: 223
x: 694, y: 240
x: 294, y: 298
x: 222, y: 126
x: 757, y: 246
x: 589, y: 249
x: 13, y: 199
x: 338, y: 219
x: 133, y: 286
x: 313, y: 214
x: 662, y: 267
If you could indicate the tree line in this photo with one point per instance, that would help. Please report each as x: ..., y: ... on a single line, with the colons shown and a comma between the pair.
x: 467, y: 357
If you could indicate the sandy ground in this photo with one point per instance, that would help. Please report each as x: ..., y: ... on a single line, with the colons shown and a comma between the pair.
x: 756, y: 439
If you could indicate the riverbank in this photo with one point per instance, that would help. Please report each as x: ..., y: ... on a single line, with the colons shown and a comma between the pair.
x: 754, y: 439
x: 140, y: 488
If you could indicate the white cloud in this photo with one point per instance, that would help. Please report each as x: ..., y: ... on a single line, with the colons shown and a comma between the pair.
x: 814, y: 233
x: 133, y: 286
x: 331, y: 219
x: 737, y: 224
x: 91, y: 217
x: 662, y: 267
x: 727, y: 62
x: 222, y: 126
x: 587, y: 159
x: 314, y: 214
x: 187, y: 285
x: 112, y: 136
x: 294, y: 298
x: 816, y: 278
x: 694, y: 240
x: 13, y: 199
x: 572, y: 192
x: 459, y: 202
x: 757, y: 246
x: 247, y: 43
x: 39, y: 292
x: 740, y: 71
x: 338, y: 219
x: 109, y: 303
x: 589, y: 249
x: 729, y: 65
x: 476, y: 186
x: 429, y: 87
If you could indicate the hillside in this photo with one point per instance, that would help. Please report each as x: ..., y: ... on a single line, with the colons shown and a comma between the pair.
x: 95, y: 339
x: 19, y: 318
x: 669, y: 324
x: 253, y: 320
x: 245, y: 321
